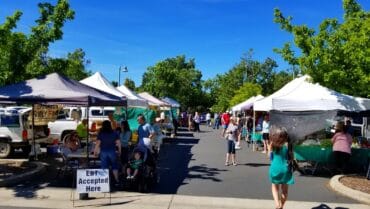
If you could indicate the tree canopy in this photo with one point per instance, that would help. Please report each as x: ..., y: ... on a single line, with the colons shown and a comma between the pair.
x: 24, y: 56
x: 176, y: 78
x: 246, y: 91
x: 228, y: 89
x: 130, y: 84
x: 337, y: 55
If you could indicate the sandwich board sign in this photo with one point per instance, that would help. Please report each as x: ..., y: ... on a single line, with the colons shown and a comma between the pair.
x: 92, y: 180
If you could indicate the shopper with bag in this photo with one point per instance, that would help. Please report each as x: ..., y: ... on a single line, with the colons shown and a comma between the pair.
x: 231, y: 135
x: 281, y: 169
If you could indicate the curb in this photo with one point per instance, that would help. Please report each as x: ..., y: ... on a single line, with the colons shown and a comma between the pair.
x: 346, y: 191
x: 40, y: 168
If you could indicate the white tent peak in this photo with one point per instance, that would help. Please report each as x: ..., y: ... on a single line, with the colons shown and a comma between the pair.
x: 171, y: 101
x: 98, y: 81
x: 133, y: 98
x: 154, y: 101
x: 247, y: 103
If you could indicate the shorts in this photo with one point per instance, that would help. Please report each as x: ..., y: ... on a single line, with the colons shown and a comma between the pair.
x: 109, y: 158
x: 265, y: 136
x: 225, y: 126
x: 230, y: 146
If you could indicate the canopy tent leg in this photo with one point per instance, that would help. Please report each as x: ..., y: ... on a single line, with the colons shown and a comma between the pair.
x: 33, y: 132
x: 254, y: 131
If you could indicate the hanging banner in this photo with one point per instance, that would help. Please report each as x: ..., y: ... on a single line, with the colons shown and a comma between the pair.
x: 92, y: 180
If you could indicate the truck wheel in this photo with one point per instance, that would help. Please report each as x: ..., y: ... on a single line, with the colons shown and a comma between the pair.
x: 5, y: 150
x: 66, y: 138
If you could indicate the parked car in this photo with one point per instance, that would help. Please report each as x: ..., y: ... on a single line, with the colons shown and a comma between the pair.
x: 69, y: 117
x: 16, y: 132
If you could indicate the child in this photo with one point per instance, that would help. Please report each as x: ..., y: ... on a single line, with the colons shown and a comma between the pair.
x: 134, y: 165
x: 281, y: 175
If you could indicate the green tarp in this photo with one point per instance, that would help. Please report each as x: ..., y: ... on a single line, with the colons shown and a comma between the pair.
x: 133, y: 113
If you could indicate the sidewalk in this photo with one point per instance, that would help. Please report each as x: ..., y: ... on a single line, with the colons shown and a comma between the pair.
x: 60, y: 198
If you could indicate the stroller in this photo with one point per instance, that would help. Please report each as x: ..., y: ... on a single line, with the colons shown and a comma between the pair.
x: 147, y: 171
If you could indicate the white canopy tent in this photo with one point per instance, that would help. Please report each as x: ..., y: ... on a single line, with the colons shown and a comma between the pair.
x: 265, y: 104
x: 308, y: 96
x: 98, y: 81
x: 246, y: 104
x: 172, y: 102
x: 134, y: 100
x: 153, y: 101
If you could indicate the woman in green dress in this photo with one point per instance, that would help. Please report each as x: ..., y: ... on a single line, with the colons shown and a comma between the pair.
x: 281, y: 175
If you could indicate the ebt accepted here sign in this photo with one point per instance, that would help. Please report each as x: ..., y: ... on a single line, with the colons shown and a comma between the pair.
x: 92, y: 180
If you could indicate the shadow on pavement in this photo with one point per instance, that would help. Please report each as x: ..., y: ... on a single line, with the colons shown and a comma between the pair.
x: 204, y: 172
x: 173, y: 163
x: 256, y: 164
x: 323, y: 206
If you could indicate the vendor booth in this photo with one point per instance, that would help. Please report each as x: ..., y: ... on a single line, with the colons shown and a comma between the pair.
x: 308, y: 111
x: 57, y: 89
x: 247, y: 104
x: 175, y: 106
x: 163, y: 110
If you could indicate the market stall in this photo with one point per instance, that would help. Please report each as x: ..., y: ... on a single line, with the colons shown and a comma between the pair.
x: 163, y: 109
x: 175, y: 106
x: 308, y: 111
x: 57, y: 89
x: 247, y: 104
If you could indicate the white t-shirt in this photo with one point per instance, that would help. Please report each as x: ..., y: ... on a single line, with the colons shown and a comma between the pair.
x: 208, y: 116
x: 265, y: 127
x: 232, y: 132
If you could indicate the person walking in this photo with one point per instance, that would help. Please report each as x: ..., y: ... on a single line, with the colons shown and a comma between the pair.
x: 225, y: 120
x: 208, y: 119
x: 342, y: 142
x: 196, y: 120
x: 231, y: 137
x: 280, y: 172
x: 190, y: 122
x: 216, y: 123
x: 107, y: 143
x: 265, y: 132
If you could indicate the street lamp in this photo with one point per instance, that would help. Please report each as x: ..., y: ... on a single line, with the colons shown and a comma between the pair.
x: 123, y: 69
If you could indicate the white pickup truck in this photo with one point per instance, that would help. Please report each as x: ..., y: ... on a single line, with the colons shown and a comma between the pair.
x: 70, y: 117
x: 16, y: 132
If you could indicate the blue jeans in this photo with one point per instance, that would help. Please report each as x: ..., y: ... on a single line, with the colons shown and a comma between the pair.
x: 108, y: 158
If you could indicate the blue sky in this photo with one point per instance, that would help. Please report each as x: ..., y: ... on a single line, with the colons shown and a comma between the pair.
x: 139, y: 33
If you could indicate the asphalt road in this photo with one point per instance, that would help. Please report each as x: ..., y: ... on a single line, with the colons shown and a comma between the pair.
x: 193, y: 164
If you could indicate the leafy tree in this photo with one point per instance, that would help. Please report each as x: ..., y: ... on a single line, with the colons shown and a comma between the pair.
x: 280, y: 79
x: 24, y: 56
x: 223, y: 87
x: 337, y: 55
x: 115, y: 83
x: 246, y: 91
x: 176, y: 78
x: 130, y: 84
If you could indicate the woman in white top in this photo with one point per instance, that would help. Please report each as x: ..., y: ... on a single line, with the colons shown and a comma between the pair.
x: 265, y: 133
x: 231, y: 137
